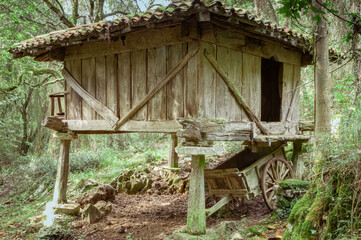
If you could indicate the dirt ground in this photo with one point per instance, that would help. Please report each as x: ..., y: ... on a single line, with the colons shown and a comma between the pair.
x: 157, y: 216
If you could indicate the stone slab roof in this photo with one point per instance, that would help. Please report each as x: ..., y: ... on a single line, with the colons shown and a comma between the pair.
x: 176, y: 11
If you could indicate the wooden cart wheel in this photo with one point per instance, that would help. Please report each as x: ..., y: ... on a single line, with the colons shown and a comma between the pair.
x: 276, y: 169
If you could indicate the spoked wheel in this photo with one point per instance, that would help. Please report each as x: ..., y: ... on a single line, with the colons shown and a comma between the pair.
x: 276, y: 169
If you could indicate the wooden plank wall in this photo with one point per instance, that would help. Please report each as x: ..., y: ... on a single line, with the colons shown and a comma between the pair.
x: 291, y: 79
x: 122, y: 80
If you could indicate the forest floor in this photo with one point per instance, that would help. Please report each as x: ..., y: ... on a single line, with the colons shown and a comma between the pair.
x: 151, y: 217
x: 133, y: 217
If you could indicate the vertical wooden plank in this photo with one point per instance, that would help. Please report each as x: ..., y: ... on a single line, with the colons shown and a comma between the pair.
x: 111, y: 78
x: 74, y: 101
x: 295, y: 111
x: 124, y: 83
x: 175, y: 87
x: 139, y: 81
x: 191, y: 93
x: 207, y: 81
x: 287, y: 84
x: 67, y: 98
x: 89, y: 84
x: 101, y: 81
x: 235, y: 74
x: 251, y: 90
x: 223, y: 95
x: 157, y: 69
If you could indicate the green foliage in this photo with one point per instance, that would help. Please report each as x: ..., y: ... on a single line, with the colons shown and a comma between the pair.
x: 84, y: 160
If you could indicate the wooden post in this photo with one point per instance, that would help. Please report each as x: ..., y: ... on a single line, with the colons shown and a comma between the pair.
x: 173, y: 156
x: 61, y: 183
x: 196, y: 214
x: 297, y: 159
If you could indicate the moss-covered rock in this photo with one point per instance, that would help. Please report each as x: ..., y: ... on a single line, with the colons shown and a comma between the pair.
x: 294, y: 184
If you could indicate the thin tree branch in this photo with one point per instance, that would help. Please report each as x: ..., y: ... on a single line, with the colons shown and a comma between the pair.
x: 61, y: 16
x: 343, y: 19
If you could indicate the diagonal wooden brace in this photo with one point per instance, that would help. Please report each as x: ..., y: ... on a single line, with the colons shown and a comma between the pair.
x: 240, y: 99
x: 162, y: 83
x: 99, y: 107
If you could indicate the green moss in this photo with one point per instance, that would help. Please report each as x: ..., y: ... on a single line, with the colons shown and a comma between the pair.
x: 256, y: 230
x: 294, y: 184
x: 301, y: 209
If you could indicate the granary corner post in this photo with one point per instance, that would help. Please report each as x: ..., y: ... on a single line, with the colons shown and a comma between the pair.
x: 61, y: 183
x: 196, y: 212
x: 173, y: 157
x: 194, y: 144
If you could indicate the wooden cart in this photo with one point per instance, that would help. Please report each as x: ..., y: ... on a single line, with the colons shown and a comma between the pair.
x: 247, y: 174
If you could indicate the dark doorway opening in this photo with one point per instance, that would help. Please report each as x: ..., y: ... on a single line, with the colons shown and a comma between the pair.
x: 271, y: 90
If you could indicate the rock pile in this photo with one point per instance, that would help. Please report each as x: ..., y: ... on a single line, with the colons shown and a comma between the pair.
x: 96, y: 203
x: 157, y: 181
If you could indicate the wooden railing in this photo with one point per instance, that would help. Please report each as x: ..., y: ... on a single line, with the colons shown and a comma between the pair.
x: 56, y: 97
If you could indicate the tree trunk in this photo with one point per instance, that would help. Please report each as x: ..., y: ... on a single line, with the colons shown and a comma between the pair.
x: 99, y: 13
x: 356, y: 68
x: 75, y: 12
x: 322, y: 80
x: 265, y: 9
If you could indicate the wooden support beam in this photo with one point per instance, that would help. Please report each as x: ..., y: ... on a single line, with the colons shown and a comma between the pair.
x: 281, y: 138
x: 159, y: 86
x: 197, y: 131
x: 98, y: 107
x: 196, y: 213
x: 61, y: 183
x: 240, y: 99
x: 219, y: 205
x: 173, y: 156
x: 54, y: 123
x: 297, y: 160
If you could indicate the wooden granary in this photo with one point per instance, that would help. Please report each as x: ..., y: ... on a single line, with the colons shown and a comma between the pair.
x: 206, y: 72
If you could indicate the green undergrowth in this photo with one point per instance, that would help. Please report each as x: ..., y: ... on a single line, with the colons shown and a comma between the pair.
x: 331, y: 208
x: 27, y: 184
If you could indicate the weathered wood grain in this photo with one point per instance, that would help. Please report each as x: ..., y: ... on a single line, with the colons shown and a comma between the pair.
x: 287, y: 85
x: 74, y: 101
x: 68, y: 90
x: 247, y: 42
x: 223, y: 94
x: 251, y: 89
x: 54, y: 123
x: 294, y: 112
x: 237, y: 94
x: 207, y: 82
x: 157, y: 69
x: 219, y: 205
x: 235, y: 74
x: 143, y: 39
x: 102, y: 126
x: 112, y: 82
x: 124, y: 84
x: 139, y: 82
x: 151, y: 93
x: 88, y: 83
x: 101, y: 90
x: 99, y: 107
x: 191, y: 93
x: 175, y: 87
